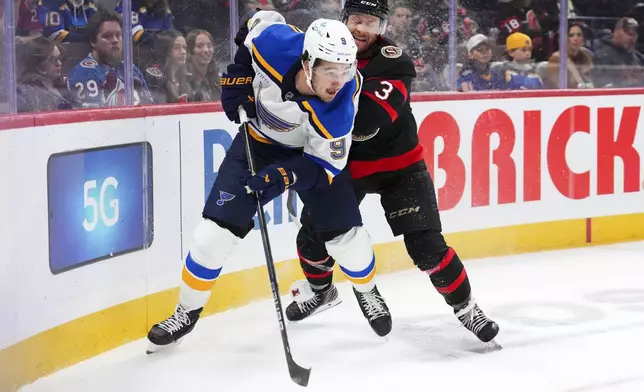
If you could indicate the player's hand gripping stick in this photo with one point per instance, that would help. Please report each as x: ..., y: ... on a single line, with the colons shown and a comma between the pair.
x: 298, y: 374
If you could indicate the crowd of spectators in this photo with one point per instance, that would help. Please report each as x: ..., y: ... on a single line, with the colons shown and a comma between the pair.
x: 69, y: 52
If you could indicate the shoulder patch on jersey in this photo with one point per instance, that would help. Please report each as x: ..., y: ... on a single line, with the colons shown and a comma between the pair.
x: 89, y: 63
x: 391, y: 52
x: 154, y: 71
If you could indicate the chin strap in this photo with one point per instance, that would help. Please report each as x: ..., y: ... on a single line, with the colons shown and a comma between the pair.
x: 308, y: 71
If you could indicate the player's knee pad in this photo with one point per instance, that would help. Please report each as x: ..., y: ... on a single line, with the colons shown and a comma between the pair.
x: 310, y: 246
x: 211, y: 245
x: 426, y: 248
x: 353, y: 251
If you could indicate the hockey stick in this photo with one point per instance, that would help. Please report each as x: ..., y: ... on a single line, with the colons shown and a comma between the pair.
x: 298, y: 374
x: 290, y: 207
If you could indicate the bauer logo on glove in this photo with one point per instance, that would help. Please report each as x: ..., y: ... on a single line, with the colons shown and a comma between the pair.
x: 272, y: 181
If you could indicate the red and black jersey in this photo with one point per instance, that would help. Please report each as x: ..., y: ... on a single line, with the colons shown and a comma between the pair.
x: 385, y: 134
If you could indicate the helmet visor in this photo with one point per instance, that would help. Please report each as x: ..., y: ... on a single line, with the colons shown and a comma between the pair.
x: 328, y: 72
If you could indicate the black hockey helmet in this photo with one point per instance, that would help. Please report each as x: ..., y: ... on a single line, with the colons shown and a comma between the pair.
x: 377, y: 8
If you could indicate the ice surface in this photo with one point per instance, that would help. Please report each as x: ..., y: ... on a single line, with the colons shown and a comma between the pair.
x: 570, y: 321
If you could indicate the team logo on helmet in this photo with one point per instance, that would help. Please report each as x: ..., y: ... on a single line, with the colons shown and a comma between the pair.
x: 391, y: 52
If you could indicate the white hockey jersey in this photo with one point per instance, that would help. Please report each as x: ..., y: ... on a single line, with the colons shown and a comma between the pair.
x: 284, y: 117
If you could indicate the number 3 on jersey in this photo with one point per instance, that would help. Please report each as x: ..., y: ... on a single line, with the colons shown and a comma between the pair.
x: 386, y: 90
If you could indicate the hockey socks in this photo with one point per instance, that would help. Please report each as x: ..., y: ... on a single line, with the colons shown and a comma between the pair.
x: 450, y: 278
x: 319, y: 273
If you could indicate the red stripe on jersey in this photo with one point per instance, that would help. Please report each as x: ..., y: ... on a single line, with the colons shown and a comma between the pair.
x: 398, y: 85
x: 361, y: 169
x: 444, y: 263
x: 385, y: 105
x: 401, y: 87
x: 452, y: 287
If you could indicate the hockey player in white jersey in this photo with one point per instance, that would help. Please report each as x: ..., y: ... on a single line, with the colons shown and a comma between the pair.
x: 301, y: 93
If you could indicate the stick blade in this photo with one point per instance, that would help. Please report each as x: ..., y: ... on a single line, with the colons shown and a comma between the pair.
x: 299, y: 375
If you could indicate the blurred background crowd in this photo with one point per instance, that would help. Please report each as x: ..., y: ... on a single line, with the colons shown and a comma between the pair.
x: 68, y: 53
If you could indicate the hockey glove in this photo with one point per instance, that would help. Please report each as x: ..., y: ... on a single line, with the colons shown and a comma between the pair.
x: 272, y: 181
x: 236, y: 91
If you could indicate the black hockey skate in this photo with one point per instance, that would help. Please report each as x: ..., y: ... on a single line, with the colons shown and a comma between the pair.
x: 319, y: 302
x: 375, y: 310
x: 170, y: 331
x: 473, y: 318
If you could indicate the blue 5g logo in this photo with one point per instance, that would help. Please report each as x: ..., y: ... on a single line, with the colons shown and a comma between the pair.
x: 100, y: 204
x: 98, y: 207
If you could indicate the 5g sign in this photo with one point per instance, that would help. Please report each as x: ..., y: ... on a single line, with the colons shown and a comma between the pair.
x: 98, y: 206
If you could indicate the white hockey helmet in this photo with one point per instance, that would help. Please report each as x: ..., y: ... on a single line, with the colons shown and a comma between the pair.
x: 329, y: 40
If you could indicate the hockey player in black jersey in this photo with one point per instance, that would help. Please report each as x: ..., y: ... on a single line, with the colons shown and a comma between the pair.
x: 387, y: 159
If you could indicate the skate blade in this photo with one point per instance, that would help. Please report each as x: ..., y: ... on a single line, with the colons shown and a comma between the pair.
x: 488, y: 347
x: 321, y: 309
x: 494, y: 345
x: 153, y: 348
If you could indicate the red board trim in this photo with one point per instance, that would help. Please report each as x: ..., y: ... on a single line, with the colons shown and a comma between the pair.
x: 18, y: 121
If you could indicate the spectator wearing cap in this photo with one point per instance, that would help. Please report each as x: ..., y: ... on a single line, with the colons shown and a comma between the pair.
x: 477, y: 74
x: 617, y: 63
x: 579, y: 62
x: 521, y: 72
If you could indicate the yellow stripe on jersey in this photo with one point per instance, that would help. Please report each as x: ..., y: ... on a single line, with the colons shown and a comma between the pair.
x: 330, y: 178
x: 265, y: 66
x: 295, y: 29
x: 357, y: 86
x: 316, y: 120
x: 255, y: 135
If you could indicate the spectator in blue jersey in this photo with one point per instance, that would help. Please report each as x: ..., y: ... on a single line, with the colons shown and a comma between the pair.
x: 65, y: 20
x: 40, y: 85
x: 99, y: 79
x: 204, y: 74
x: 149, y: 17
x: 168, y: 77
x: 477, y: 74
x: 521, y: 73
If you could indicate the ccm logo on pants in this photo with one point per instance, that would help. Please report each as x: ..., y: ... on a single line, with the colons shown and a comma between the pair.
x: 404, y: 211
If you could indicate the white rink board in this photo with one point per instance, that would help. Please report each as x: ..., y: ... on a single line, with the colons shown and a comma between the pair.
x: 179, y: 168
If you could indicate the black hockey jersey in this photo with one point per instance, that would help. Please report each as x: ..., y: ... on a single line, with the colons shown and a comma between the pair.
x: 385, y: 134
